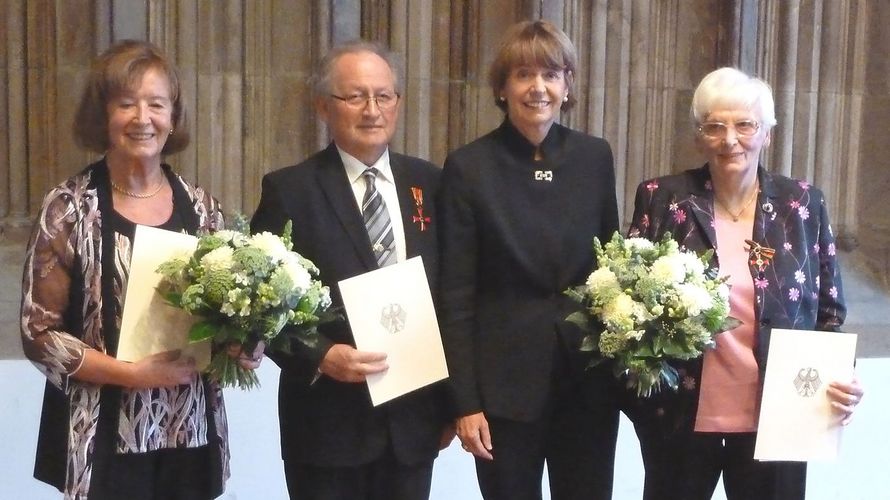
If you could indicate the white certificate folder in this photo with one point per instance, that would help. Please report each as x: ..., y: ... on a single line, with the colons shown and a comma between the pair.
x: 149, y: 324
x: 797, y: 422
x: 391, y: 310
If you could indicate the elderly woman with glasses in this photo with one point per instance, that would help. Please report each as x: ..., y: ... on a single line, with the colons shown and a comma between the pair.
x: 772, y: 237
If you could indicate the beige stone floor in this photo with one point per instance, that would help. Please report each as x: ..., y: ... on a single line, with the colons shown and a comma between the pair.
x: 859, y: 473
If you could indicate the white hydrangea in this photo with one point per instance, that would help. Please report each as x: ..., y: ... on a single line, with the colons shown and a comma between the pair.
x: 619, y: 312
x: 603, y: 284
x: 638, y: 244
x: 694, y: 298
x: 669, y: 269
x: 229, y: 236
x: 270, y: 244
x: 325, y: 297
x: 218, y: 259
x: 298, y: 274
x: 692, y: 264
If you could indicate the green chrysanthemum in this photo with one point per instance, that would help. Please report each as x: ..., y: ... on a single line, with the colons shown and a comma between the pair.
x: 217, y: 283
x: 252, y: 261
x: 208, y: 243
x: 611, y: 343
x: 283, y: 286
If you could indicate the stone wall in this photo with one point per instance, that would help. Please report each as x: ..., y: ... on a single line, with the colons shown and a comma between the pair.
x: 245, y: 63
x: 12, y: 258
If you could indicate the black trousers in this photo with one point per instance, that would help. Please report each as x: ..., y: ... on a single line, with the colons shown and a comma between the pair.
x: 168, y: 474
x: 688, y: 465
x: 575, y: 437
x: 382, y: 479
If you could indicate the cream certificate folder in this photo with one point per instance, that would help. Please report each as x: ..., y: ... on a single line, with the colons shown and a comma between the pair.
x: 150, y: 325
x: 391, y: 310
x: 797, y: 422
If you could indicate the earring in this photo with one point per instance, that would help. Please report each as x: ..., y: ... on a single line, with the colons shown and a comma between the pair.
x: 566, y: 98
x: 171, y: 131
x: 502, y: 99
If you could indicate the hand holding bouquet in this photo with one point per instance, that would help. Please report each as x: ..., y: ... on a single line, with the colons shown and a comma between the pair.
x: 246, y: 289
x: 648, y: 303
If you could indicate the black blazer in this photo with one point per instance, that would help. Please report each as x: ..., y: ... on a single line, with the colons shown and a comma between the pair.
x: 332, y: 423
x: 512, y: 242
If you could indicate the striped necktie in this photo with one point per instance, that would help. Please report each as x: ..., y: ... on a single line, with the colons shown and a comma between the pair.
x: 377, y: 221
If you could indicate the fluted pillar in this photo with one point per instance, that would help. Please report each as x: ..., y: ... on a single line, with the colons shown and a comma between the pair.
x: 814, y: 55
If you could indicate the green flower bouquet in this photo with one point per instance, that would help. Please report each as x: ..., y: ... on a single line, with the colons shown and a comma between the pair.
x: 648, y: 303
x: 246, y: 289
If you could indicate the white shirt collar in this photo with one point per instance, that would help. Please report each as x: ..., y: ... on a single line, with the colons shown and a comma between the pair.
x: 354, y: 167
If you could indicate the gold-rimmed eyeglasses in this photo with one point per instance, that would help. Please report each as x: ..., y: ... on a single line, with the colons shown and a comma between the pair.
x: 718, y: 130
x: 384, y: 100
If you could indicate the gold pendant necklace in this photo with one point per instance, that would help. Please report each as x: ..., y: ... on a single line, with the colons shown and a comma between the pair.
x: 735, y: 216
x: 131, y: 194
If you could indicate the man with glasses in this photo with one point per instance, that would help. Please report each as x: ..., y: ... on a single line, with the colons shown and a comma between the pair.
x: 355, y: 206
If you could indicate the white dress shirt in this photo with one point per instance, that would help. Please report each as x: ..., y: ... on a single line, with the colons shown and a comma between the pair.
x: 386, y: 186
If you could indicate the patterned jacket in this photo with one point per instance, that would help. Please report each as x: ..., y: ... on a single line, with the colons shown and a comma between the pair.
x: 63, y: 293
x: 799, y: 287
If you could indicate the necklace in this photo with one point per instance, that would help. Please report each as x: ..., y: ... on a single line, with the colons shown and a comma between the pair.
x: 131, y: 194
x: 735, y: 216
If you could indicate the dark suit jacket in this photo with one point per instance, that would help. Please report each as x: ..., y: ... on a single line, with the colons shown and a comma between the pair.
x: 799, y: 288
x: 331, y: 423
x: 512, y: 242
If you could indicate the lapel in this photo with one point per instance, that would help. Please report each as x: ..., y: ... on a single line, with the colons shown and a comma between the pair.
x: 768, y: 205
x: 764, y: 215
x: 333, y: 181
x: 404, y: 179
x: 701, y: 206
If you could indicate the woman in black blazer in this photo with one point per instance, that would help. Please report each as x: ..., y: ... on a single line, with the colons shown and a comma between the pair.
x: 518, y: 211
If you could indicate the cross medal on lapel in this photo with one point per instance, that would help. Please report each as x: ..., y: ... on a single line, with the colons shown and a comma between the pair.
x: 544, y: 175
x: 421, y: 220
x: 758, y: 255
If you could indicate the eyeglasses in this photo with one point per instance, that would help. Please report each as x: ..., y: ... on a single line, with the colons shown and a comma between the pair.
x: 357, y: 101
x: 718, y: 130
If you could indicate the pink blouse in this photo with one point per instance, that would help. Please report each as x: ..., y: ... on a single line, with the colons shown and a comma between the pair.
x: 729, y: 385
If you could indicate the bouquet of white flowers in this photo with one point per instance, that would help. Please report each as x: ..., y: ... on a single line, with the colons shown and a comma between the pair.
x: 246, y: 289
x: 648, y: 303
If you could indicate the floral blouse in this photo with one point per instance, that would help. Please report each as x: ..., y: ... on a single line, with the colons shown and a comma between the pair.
x: 62, y: 317
x: 798, y: 287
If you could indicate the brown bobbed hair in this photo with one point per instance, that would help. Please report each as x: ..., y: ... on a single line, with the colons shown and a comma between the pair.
x: 533, y: 43
x: 117, y: 70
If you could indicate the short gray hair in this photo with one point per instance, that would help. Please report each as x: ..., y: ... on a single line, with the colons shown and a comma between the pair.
x: 730, y: 88
x: 321, y: 80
